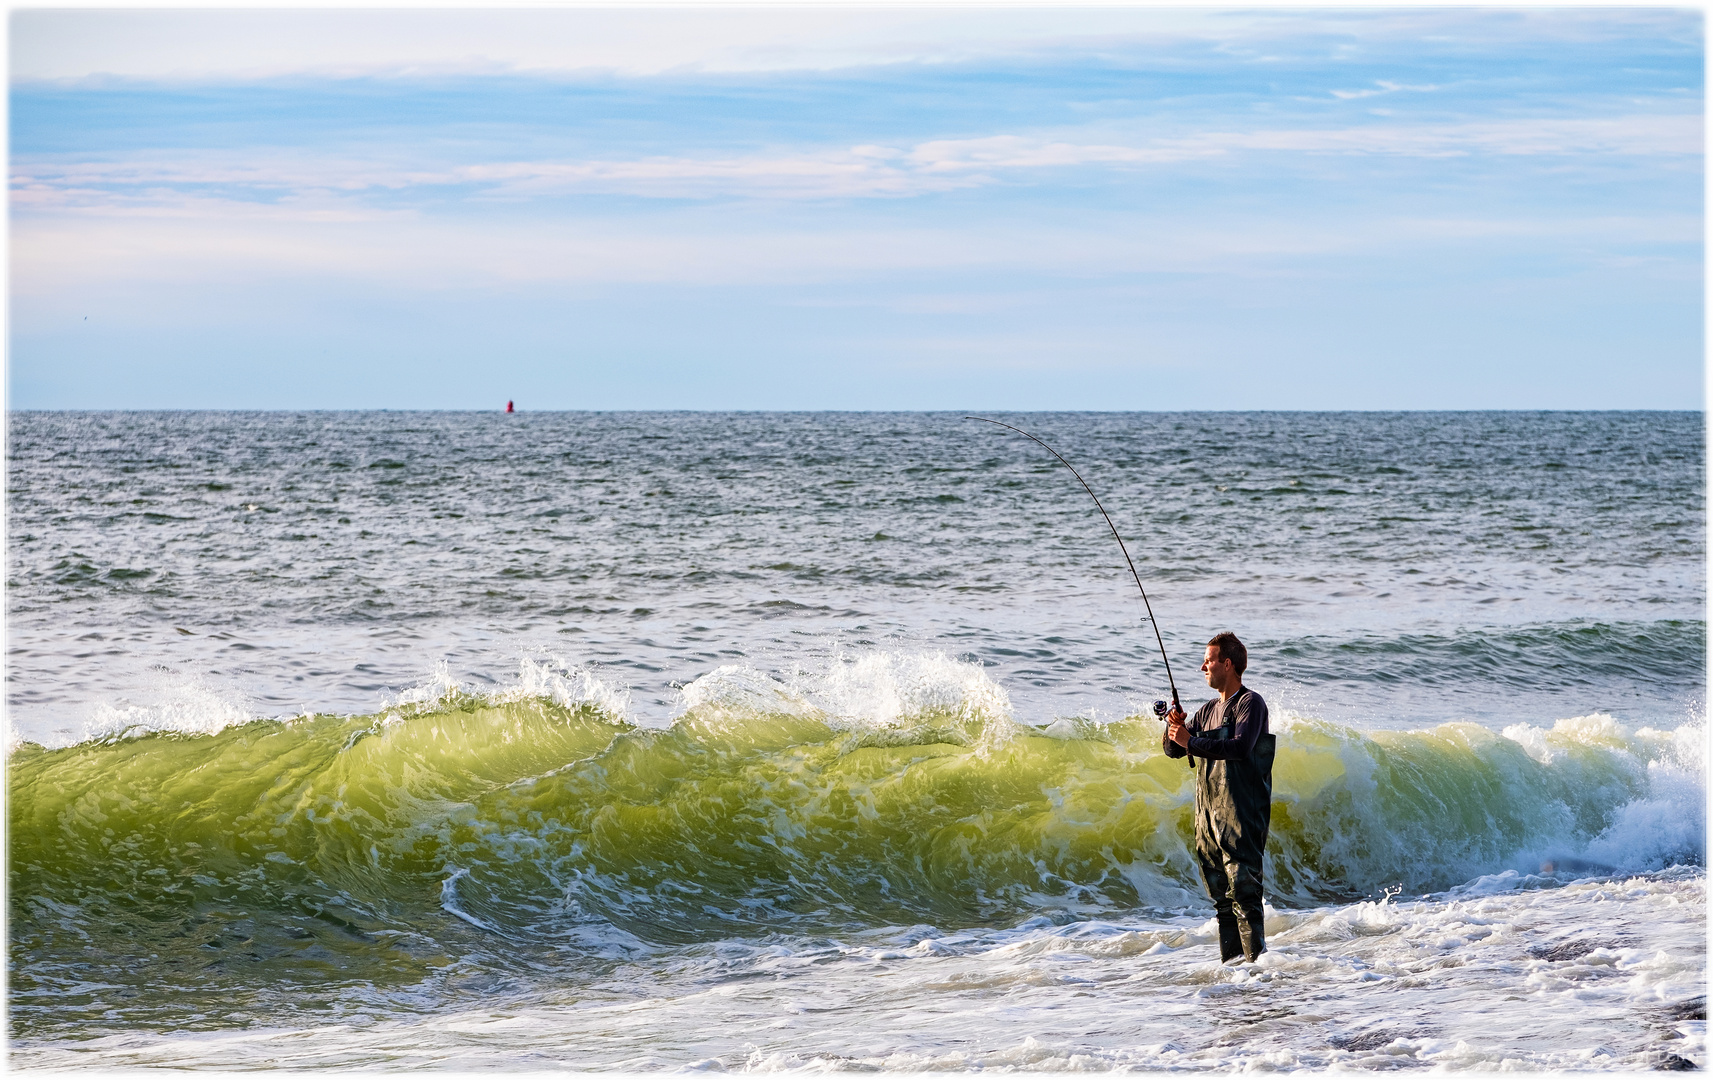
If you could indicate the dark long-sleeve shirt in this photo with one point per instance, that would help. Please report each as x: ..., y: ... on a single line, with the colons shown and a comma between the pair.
x: 1210, y: 738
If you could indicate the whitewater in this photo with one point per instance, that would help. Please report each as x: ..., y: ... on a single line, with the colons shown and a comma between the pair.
x: 821, y: 742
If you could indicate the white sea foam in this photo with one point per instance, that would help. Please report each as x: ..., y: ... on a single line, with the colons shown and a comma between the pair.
x: 883, y: 688
x: 1667, y: 824
x: 871, y: 690
x: 564, y: 683
x: 568, y: 685
x: 432, y: 691
x: 184, y: 704
x: 450, y: 904
x: 739, y: 689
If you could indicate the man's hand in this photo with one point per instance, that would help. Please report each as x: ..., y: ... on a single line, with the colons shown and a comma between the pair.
x: 1175, y: 729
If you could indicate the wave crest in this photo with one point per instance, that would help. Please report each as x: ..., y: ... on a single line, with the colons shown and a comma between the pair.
x: 889, y: 790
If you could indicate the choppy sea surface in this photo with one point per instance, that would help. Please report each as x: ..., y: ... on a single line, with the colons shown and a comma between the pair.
x: 668, y: 741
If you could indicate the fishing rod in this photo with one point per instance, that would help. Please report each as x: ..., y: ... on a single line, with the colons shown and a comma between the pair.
x: 1145, y: 604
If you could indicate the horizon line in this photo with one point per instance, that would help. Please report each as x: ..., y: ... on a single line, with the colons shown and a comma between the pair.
x: 844, y: 412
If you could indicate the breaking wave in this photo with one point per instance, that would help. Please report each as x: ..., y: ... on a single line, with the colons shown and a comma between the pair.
x: 885, y: 790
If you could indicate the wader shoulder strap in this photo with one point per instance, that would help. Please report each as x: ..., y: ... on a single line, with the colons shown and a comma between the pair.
x: 1228, y: 717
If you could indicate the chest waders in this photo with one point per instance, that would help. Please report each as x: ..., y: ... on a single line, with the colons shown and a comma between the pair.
x: 1234, y: 807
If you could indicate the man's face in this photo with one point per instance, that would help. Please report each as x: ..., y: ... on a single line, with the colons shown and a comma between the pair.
x: 1216, y: 669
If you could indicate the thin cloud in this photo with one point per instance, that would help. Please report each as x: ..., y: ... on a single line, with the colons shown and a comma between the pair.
x: 1380, y: 88
x: 64, y: 255
x: 235, y: 44
x: 1629, y: 136
x: 862, y: 171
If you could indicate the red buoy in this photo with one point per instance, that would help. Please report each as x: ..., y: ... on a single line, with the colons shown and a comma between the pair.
x: 509, y: 407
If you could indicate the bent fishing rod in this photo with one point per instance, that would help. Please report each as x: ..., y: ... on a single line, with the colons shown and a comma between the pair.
x: 1127, y: 560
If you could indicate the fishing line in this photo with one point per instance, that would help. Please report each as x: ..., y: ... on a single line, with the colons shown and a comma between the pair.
x: 1145, y: 604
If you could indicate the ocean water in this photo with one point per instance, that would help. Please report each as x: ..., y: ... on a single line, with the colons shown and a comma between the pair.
x: 699, y: 741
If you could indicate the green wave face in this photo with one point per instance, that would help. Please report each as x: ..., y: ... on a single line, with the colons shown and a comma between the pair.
x: 338, y: 848
x: 313, y: 846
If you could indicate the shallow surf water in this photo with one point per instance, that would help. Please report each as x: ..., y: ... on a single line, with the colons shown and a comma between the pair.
x: 1510, y: 972
x: 904, y: 826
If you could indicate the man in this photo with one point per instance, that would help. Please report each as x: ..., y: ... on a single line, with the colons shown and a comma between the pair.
x: 1234, y: 793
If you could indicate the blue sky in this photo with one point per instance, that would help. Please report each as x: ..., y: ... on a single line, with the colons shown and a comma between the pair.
x: 857, y: 208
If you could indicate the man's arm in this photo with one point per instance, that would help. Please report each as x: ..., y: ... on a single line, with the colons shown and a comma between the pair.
x: 1176, y: 730
x: 1172, y: 749
x: 1251, y: 718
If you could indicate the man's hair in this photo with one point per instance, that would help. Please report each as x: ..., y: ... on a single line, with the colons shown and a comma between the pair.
x: 1231, y: 649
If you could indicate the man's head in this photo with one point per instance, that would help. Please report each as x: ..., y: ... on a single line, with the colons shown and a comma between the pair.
x: 1224, y: 662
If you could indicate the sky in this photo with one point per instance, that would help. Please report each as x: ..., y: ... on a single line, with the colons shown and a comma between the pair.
x: 796, y: 207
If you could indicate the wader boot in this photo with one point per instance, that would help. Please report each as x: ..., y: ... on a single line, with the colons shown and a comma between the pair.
x: 1254, y: 935
x: 1246, y: 891
x: 1230, y: 943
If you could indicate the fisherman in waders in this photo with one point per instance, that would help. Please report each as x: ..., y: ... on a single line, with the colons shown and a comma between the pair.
x: 1234, y: 794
